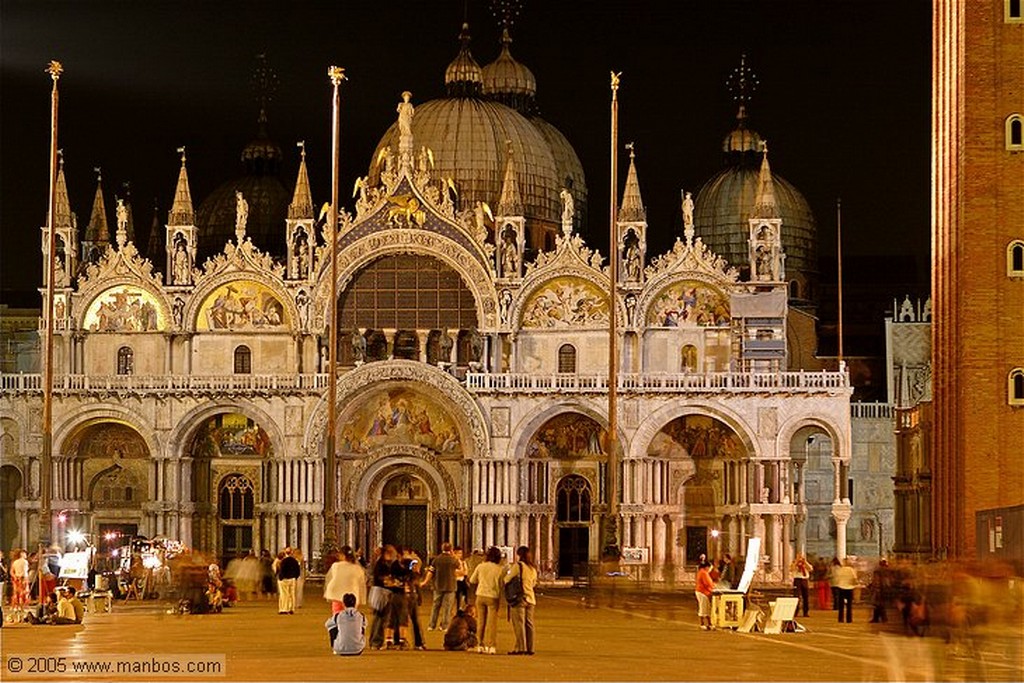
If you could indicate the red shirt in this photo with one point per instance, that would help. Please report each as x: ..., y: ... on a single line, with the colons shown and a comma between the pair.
x: 704, y: 583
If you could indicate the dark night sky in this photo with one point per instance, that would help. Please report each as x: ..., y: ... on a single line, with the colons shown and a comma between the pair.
x: 844, y: 100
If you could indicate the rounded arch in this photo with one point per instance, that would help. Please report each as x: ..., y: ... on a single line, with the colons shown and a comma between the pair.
x: 707, y: 305
x: 275, y: 310
x: 123, y: 305
x: 524, y: 432
x: 788, y: 430
x: 657, y: 420
x: 189, y: 425
x: 366, y: 484
x: 365, y: 250
x: 66, y: 433
x: 535, y: 282
x: 473, y: 428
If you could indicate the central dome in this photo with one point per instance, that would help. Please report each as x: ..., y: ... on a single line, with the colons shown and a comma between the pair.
x: 471, y: 133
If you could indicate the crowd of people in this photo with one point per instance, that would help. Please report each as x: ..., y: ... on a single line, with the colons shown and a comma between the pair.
x: 389, y: 587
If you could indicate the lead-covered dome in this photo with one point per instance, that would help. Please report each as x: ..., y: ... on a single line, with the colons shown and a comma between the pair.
x: 725, y: 204
x: 471, y: 137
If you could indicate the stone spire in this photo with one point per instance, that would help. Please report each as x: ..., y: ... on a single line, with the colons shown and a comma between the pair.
x: 302, y: 201
x: 632, y: 207
x: 62, y: 217
x: 97, y: 230
x: 764, y: 204
x: 182, y: 212
x: 511, y: 202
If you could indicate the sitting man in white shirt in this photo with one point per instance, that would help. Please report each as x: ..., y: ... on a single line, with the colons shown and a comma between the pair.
x: 347, y: 628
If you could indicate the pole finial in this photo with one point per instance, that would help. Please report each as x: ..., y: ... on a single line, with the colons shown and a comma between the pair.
x: 336, y: 74
x: 55, y: 69
x: 615, y: 80
x: 181, y: 151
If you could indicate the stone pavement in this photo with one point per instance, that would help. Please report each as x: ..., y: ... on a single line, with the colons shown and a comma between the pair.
x: 658, y: 640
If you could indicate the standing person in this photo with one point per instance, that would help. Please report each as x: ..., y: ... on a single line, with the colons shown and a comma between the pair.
x: 522, y: 614
x: 345, y: 576
x: 412, y: 578
x: 443, y: 572
x: 881, y: 586
x: 487, y: 579
x: 821, y: 587
x: 727, y: 572
x: 380, y: 595
x: 702, y: 591
x: 832, y: 569
x: 801, y: 581
x: 288, y: 572
x: 461, y: 580
x: 19, y: 583
x: 300, y: 580
x: 3, y: 586
x: 845, y: 580
x: 347, y: 628
x: 267, y: 587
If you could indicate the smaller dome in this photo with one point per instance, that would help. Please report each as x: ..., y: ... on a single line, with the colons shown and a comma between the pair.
x: 507, y: 80
x: 742, y: 139
x: 463, y: 77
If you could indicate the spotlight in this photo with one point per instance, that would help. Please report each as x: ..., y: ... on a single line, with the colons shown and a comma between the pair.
x: 76, y: 537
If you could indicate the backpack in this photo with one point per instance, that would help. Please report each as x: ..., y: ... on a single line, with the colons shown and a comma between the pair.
x: 514, y: 588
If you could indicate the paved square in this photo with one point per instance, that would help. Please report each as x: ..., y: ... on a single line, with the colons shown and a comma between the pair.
x: 658, y: 641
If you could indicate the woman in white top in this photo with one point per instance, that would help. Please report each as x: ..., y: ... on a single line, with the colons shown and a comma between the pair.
x: 345, y: 576
x: 487, y: 579
x: 522, y: 614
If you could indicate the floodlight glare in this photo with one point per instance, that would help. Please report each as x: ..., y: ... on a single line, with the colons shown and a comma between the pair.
x: 76, y: 537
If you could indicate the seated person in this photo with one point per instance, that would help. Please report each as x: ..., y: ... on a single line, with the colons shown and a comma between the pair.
x: 67, y: 612
x: 461, y: 633
x: 347, y: 628
x: 44, y: 614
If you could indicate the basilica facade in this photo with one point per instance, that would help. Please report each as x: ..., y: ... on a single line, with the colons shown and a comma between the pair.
x: 472, y: 367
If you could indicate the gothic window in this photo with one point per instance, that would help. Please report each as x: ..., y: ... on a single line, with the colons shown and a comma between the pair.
x: 1015, y: 133
x: 243, y: 360
x: 125, y: 361
x: 1015, y: 258
x: 236, y: 498
x: 567, y: 358
x: 1016, y: 387
x: 573, y: 499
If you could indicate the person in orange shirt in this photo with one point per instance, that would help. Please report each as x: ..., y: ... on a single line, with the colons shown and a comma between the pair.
x: 705, y: 585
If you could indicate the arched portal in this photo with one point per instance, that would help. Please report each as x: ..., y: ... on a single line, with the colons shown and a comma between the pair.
x: 230, y: 452
x: 573, y: 498
x: 405, y: 503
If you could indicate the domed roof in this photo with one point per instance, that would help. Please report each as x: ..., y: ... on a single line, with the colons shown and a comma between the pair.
x: 509, y: 81
x: 263, y: 190
x: 470, y: 139
x: 742, y: 139
x: 567, y: 164
x: 725, y: 204
x: 464, y: 74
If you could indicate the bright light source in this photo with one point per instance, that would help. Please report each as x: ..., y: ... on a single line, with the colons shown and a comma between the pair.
x: 76, y: 537
x: 715, y: 533
x: 115, y: 553
x: 62, y: 518
x: 151, y: 561
x: 110, y: 535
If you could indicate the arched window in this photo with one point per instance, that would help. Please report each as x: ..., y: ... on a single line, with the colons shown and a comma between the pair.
x: 573, y: 499
x: 1016, y: 387
x: 125, y: 361
x: 1015, y: 133
x: 236, y: 497
x: 688, y: 362
x: 243, y: 360
x: 1015, y: 258
x: 567, y: 358
x: 794, y: 289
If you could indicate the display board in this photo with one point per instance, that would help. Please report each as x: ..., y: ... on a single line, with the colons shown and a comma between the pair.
x: 753, y: 559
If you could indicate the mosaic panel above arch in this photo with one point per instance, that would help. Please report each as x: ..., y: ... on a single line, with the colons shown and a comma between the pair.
x: 566, y: 302
x: 242, y: 305
x: 568, y: 436
x: 689, y: 302
x: 126, y: 308
x: 230, y: 435
x: 399, y: 416
x: 696, y: 437
x: 106, y: 440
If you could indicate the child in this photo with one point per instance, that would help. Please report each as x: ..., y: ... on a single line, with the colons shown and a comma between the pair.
x: 461, y: 633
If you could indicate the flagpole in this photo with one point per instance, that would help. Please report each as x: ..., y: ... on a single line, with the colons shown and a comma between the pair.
x: 337, y: 75
x: 839, y: 258
x: 612, y: 523
x: 46, y: 460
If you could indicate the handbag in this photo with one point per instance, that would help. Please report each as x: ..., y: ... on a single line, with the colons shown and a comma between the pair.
x: 514, y: 588
x: 378, y: 598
